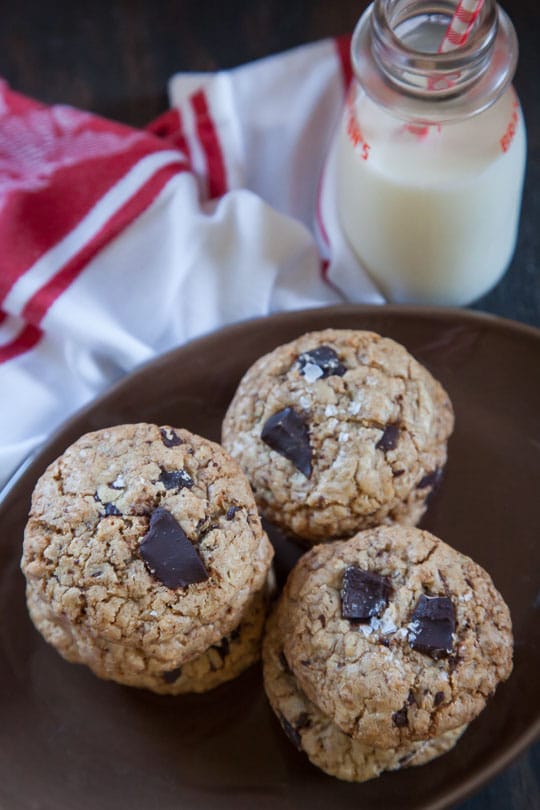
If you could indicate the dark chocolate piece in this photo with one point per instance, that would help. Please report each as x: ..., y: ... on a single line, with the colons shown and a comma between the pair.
x: 222, y: 648
x: 438, y: 699
x: 172, y: 675
x: 287, y: 434
x: 231, y: 512
x: 325, y: 358
x: 235, y: 633
x: 363, y: 594
x: 170, y: 439
x: 176, y: 479
x: 168, y: 553
x: 111, y: 509
x: 284, y: 663
x: 399, y: 719
x: 432, y: 626
x: 291, y: 732
x: 389, y: 439
x: 303, y: 721
x: 431, y: 479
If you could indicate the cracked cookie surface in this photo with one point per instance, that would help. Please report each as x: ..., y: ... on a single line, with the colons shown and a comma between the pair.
x: 89, y: 589
x: 221, y: 662
x: 373, y: 677
x: 377, y: 425
x: 325, y: 744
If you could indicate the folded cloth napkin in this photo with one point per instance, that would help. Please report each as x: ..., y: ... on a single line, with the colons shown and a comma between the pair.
x: 118, y: 244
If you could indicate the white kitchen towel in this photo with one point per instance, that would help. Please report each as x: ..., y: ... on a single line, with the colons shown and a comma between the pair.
x: 117, y: 244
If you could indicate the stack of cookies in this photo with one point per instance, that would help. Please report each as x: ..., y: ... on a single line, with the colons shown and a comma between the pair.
x: 382, y: 649
x: 145, y: 559
x: 385, y: 646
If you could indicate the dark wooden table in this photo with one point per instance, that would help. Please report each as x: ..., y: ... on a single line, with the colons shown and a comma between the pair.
x: 114, y: 58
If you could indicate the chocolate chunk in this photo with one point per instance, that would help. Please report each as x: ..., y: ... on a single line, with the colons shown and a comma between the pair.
x: 410, y: 697
x: 325, y: 358
x: 111, y: 509
x: 168, y: 554
x: 172, y: 675
x: 303, y: 721
x: 231, y: 512
x: 291, y: 732
x: 399, y: 719
x: 432, y: 479
x: 170, y: 439
x: 222, y: 648
x: 438, y: 699
x: 235, y: 633
x: 176, y: 479
x: 284, y: 663
x: 363, y: 594
x: 389, y: 439
x: 432, y: 626
x: 287, y: 434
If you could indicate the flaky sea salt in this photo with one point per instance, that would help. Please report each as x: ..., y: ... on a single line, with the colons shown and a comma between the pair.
x: 305, y: 402
x: 330, y: 410
x: 387, y: 626
x: 354, y: 407
x: 413, y: 628
x: 365, y: 629
x: 343, y: 436
x: 119, y: 482
x: 312, y: 372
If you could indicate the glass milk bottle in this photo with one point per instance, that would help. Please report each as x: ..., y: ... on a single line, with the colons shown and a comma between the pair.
x: 431, y: 152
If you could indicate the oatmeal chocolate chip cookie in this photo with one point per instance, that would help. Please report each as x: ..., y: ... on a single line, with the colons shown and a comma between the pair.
x: 394, y: 635
x: 326, y: 745
x: 221, y: 662
x: 339, y: 431
x: 143, y: 549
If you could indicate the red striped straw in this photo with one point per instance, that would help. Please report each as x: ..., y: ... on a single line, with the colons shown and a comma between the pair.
x: 460, y: 25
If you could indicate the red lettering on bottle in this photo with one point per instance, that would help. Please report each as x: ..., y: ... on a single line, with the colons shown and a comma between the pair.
x: 355, y: 133
x: 510, y: 132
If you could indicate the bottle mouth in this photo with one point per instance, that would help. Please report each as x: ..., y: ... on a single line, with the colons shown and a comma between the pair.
x: 395, y: 58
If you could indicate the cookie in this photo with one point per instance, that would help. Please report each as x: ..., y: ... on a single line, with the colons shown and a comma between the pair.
x: 220, y: 663
x: 143, y: 549
x: 339, y: 431
x: 325, y: 744
x: 394, y: 635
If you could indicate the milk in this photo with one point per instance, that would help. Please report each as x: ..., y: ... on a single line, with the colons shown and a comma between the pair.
x: 432, y: 213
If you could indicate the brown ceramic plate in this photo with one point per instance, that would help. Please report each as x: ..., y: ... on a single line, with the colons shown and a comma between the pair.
x: 69, y: 740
